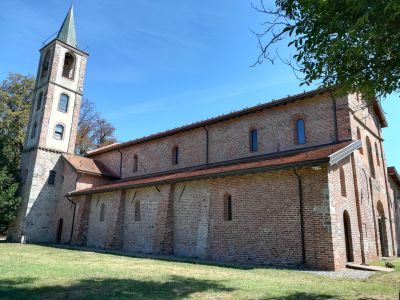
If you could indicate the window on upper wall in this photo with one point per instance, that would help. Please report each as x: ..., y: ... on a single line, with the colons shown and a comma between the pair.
x: 175, y: 155
x: 102, y: 212
x: 69, y: 66
x: 227, y: 207
x: 59, y: 132
x: 370, y: 157
x: 63, y: 103
x: 253, y: 140
x: 52, y: 178
x: 300, y: 132
x: 39, y: 101
x: 359, y: 138
x: 342, y: 182
x: 135, y: 163
x: 377, y: 154
x: 45, y: 65
x: 34, y: 129
x: 137, y: 211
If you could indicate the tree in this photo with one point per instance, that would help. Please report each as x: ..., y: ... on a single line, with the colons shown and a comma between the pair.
x: 351, y: 44
x: 15, y: 101
x: 93, y: 130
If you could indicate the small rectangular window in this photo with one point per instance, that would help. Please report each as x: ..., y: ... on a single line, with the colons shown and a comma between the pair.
x: 137, y: 211
x: 253, y: 140
x: 300, y: 132
x: 52, y: 178
x: 227, y: 207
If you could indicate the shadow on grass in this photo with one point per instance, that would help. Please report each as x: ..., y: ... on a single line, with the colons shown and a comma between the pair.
x: 176, y: 287
x: 302, y: 296
x: 177, y: 259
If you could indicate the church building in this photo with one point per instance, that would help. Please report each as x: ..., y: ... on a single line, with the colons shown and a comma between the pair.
x: 300, y: 181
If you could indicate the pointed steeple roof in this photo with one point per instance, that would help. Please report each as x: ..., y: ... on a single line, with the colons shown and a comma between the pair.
x: 67, y: 33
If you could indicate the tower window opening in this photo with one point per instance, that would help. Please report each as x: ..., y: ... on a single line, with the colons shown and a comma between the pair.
x: 63, y: 103
x: 59, y: 132
x: 69, y: 66
x: 45, y: 65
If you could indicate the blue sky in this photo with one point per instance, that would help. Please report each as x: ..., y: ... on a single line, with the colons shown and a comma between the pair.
x: 156, y: 65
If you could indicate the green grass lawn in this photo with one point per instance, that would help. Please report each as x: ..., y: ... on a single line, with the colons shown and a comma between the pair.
x: 39, y: 272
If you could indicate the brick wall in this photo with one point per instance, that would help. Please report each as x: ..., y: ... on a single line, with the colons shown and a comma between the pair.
x: 230, y: 139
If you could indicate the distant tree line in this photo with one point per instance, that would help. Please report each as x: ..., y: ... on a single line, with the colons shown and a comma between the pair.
x: 16, y: 96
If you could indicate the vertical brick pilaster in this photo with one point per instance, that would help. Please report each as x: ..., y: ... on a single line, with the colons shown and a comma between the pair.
x: 116, y: 232
x: 164, y: 228
x: 81, y: 226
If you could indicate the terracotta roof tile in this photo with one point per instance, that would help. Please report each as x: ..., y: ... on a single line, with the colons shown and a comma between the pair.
x: 89, y: 166
x: 274, y: 161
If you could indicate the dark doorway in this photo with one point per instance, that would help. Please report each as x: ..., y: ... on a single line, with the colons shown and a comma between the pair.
x: 347, y: 236
x: 382, y: 230
x: 59, y: 230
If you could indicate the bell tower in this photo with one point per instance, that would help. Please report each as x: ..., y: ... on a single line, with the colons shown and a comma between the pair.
x: 58, y: 92
x: 51, y: 132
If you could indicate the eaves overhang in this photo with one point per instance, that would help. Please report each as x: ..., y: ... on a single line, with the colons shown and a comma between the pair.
x: 315, y: 162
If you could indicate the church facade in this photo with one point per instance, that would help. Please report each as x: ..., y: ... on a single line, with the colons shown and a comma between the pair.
x: 300, y: 181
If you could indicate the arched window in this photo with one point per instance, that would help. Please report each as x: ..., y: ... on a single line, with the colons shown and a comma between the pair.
x: 137, y: 211
x: 175, y: 155
x: 300, y: 132
x: 377, y: 154
x: 359, y: 138
x: 227, y: 207
x: 342, y: 182
x: 370, y: 157
x: 253, y: 140
x: 102, y: 212
x: 63, y: 103
x: 69, y: 66
x: 45, y: 65
x: 39, y: 101
x: 59, y: 132
x: 34, y: 129
x: 135, y: 163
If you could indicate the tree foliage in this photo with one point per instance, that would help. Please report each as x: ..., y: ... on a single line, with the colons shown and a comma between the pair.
x: 15, y: 100
x: 93, y: 130
x: 352, y: 44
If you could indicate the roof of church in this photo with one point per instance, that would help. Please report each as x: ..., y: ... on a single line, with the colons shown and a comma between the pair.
x: 89, y: 166
x: 286, y: 159
x: 249, y: 110
x: 393, y: 173
x: 67, y: 33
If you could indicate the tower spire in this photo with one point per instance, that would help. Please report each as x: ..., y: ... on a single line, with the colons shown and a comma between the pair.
x: 67, y: 33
